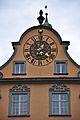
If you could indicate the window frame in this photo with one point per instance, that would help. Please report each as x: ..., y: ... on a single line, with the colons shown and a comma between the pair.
x: 19, y: 92
x: 53, y: 91
x: 19, y: 72
x: 60, y: 71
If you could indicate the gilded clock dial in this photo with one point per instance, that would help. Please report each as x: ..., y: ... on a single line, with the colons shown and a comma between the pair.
x: 38, y: 51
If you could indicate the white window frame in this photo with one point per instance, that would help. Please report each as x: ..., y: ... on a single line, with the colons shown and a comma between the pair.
x: 19, y: 101
x: 17, y: 67
x: 59, y: 102
x: 59, y: 66
x: 16, y: 110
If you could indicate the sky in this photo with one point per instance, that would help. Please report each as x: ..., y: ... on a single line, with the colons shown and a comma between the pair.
x: 16, y: 16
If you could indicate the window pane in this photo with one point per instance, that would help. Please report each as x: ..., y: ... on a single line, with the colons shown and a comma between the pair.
x: 16, y: 68
x: 21, y: 68
x: 64, y: 67
x: 55, y: 104
x: 15, y: 104
x: 56, y: 111
x: 64, y: 97
x: 55, y: 97
x: 24, y: 104
x: 58, y: 68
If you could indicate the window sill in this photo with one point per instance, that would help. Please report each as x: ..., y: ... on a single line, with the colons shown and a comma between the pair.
x: 60, y: 73
x: 59, y: 115
x: 19, y: 74
x: 18, y: 115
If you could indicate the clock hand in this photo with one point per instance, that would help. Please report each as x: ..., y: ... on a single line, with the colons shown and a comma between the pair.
x: 42, y: 46
x: 47, y: 54
x: 41, y: 53
x: 39, y: 49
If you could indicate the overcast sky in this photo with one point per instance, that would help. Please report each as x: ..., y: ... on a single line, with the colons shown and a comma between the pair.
x: 16, y: 16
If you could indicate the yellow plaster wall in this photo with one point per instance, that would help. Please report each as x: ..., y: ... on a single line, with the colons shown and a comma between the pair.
x: 36, y: 71
x: 39, y: 103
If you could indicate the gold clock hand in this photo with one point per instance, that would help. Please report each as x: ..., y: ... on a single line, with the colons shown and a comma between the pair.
x: 42, y: 46
x: 47, y: 54
x: 41, y: 53
x: 38, y: 49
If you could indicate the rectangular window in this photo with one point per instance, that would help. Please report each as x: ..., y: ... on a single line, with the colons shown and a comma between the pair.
x: 60, y: 104
x: 19, y: 104
x: 19, y: 67
x: 60, y: 67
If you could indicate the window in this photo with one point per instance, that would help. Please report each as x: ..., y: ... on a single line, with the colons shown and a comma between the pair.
x: 19, y: 67
x: 59, y: 101
x: 60, y: 67
x: 19, y: 104
x: 19, y: 101
x: 60, y: 104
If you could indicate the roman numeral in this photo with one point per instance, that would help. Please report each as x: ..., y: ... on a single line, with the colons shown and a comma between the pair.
x: 28, y: 44
x: 27, y: 50
x: 47, y: 60
x: 47, y: 39
x: 51, y: 56
x: 28, y: 56
x: 33, y: 38
x: 53, y: 50
x: 40, y: 37
x: 39, y: 62
x: 51, y: 43
x: 33, y: 61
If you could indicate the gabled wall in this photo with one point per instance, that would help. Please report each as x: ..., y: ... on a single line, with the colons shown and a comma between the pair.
x: 40, y: 71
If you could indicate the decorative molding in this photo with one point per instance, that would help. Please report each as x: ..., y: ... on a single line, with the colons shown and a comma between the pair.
x: 19, y: 88
x: 59, y: 87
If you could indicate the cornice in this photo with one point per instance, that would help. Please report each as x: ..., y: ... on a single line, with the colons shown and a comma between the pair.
x: 53, y: 80
x: 41, y: 27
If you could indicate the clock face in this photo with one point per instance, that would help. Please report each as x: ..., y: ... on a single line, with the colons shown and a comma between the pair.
x: 40, y: 50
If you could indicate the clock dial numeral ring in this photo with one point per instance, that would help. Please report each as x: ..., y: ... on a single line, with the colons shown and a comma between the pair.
x: 40, y: 52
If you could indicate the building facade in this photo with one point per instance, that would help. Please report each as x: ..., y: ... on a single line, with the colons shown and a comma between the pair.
x: 40, y: 81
